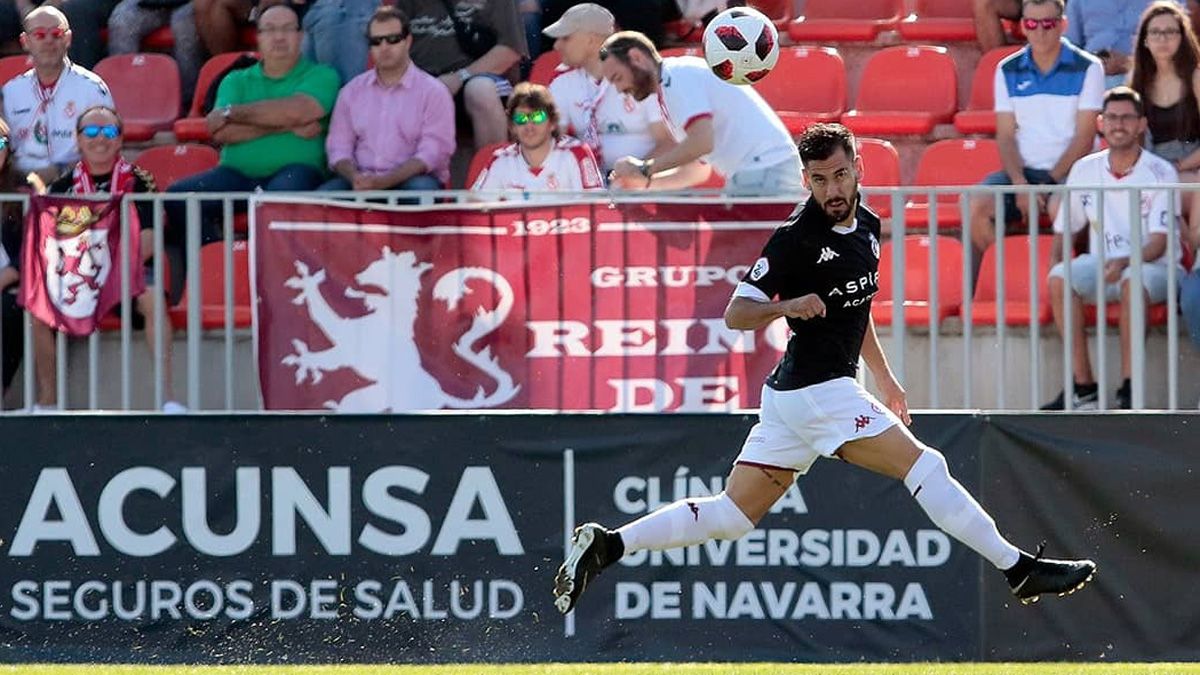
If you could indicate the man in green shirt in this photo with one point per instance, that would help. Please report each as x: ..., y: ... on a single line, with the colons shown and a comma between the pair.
x: 270, y: 120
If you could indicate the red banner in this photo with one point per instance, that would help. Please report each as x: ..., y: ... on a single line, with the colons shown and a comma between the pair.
x: 581, y: 307
x: 70, y: 276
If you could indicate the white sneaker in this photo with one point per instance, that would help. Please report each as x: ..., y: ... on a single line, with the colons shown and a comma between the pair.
x: 174, y: 408
x: 39, y: 409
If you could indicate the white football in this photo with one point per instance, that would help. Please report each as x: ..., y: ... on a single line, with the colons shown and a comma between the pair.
x: 741, y: 45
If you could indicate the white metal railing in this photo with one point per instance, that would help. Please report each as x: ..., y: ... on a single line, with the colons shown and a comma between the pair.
x: 967, y: 335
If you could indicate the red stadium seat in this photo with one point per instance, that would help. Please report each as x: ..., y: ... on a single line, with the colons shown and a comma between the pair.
x: 145, y: 88
x: 212, y: 284
x: 1017, y: 302
x: 939, y: 21
x: 956, y: 161
x: 480, y: 160
x: 545, y: 67
x: 169, y: 163
x: 916, y: 280
x: 12, y: 66
x: 845, y: 20
x: 822, y: 99
x: 779, y: 11
x: 882, y: 164
x: 194, y: 127
x: 159, y: 40
x: 904, y: 90
x: 980, y: 115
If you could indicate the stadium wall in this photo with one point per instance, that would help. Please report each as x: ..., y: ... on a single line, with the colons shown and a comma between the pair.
x: 305, y: 538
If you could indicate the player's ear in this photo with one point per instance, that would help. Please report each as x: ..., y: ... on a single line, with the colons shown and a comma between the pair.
x: 804, y: 179
x: 859, y: 167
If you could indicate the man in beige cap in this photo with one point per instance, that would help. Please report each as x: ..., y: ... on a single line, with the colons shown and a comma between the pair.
x: 612, y: 124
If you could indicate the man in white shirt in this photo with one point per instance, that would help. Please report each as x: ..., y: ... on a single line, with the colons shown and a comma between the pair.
x: 729, y: 126
x: 541, y: 160
x: 1124, y: 164
x: 42, y: 105
x: 611, y: 123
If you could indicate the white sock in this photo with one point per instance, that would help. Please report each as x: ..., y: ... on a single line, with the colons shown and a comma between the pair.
x: 953, y: 509
x: 686, y: 522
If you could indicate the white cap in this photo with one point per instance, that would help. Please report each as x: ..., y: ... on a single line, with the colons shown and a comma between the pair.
x: 588, y: 17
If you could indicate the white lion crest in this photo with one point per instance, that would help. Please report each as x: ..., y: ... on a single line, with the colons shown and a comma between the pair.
x: 381, y: 345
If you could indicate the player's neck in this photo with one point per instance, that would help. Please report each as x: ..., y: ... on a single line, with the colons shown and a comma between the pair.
x: 535, y: 157
x: 594, y: 68
x: 391, y: 76
x: 48, y: 75
x: 1121, y: 162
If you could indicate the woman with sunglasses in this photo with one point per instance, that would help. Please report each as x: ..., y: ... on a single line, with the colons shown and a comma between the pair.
x: 542, y: 160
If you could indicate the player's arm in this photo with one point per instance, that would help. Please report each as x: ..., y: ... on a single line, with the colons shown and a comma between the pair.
x: 889, y: 388
x: 751, y: 312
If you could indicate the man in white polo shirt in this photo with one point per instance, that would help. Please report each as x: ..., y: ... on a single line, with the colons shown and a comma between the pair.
x: 42, y: 105
x: 729, y: 126
x: 611, y: 123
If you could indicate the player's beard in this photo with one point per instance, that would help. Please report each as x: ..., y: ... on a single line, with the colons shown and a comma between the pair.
x: 841, y: 209
x: 643, y: 83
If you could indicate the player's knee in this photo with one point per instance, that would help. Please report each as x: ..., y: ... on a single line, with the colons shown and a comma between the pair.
x: 929, y: 463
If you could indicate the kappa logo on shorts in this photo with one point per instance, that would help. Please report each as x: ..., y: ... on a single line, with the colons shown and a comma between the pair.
x: 861, y: 423
x: 695, y: 511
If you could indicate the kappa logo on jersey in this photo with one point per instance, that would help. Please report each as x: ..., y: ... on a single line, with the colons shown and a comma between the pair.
x: 861, y: 423
x: 399, y: 381
x: 760, y: 269
x: 827, y: 254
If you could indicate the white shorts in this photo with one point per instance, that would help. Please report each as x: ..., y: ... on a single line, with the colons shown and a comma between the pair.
x: 795, y: 427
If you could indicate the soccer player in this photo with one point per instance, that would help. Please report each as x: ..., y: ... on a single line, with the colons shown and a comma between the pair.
x: 822, y: 265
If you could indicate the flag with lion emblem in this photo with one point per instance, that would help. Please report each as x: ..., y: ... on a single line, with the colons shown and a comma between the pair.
x: 70, y: 276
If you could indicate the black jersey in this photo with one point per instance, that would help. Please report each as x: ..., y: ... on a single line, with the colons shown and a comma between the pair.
x: 808, y: 255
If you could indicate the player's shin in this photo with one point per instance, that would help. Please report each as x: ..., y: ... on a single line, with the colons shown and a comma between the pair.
x: 953, y: 509
x: 686, y: 522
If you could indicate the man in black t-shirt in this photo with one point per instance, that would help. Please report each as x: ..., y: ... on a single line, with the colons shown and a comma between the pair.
x: 823, y: 266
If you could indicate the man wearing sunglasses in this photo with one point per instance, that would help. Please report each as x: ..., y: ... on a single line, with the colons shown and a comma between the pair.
x: 1047, y: 96
x: 393, y: 126
x: 730, y: 127
x: 270, y: 121
x: 101, y: 169
x: 42, y: 104
x: 542, y: 160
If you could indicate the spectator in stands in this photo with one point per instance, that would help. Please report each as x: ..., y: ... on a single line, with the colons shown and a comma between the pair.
x: 11, y: 327
x: 473, y: 50
x: 101, y: 169
x: 1106, y: 28
x: 370, y: 147
x: 1123, y: 164
x: 270, y: 119
x: 220, y: 22
x: 542, y: 160
x: 647, y: 17
x: 531, y: 19
x: 613, y: 124
x: 730, y: 127
x: 133, y: 20
x: 333, y: 31
x: 1165, y: 75
x: 989, y: 25
x: 87, y: 18
x: 42, y: 105
x: 1047, y: 96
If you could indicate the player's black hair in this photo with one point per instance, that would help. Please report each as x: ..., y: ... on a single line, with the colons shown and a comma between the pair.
x: 618, y: 46
x: 1123, y: 93
x: 819, y: 141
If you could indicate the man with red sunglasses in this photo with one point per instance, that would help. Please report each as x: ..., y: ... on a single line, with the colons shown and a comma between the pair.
x: 1047, y: 97
x: 43, y: 104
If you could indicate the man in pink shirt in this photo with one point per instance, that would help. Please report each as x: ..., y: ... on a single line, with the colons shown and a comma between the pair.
x: 393, y: 126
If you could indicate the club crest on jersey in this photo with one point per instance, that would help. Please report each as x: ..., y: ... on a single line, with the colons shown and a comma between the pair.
x: 760, y: 269
x: 874, y: 245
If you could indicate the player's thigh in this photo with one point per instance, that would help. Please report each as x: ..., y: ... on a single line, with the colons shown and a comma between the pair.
x: 891, y: 453
x: 755, y: 488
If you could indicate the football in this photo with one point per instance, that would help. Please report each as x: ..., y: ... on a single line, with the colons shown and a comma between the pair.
x: 741, y: 45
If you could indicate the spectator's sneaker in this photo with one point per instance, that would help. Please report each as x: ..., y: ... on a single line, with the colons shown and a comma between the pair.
x: 1086, y: 397
x: 593, y: 547
x: 174, y: 408
x: 1124, y: 399
x: 1034, y: 575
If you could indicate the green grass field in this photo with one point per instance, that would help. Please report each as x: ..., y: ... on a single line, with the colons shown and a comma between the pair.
x: 637, y: 669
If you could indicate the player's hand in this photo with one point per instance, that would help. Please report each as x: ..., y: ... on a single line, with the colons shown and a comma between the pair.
x: 628, y: 169
x: 310, y: 130
x: 1113, y: 270
x: 895, y: 398
x: 804, y: 307
x: 452, y: 81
